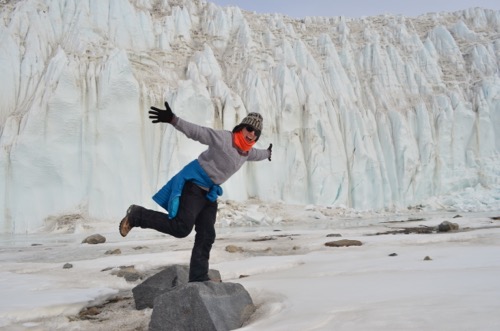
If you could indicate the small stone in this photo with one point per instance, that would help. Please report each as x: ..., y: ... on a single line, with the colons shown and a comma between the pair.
x: 393, y: 254
x: 94, y: 239
x: 233, y: 249
x: 91, y: 311
x: 132, y: 277
x: 139, y: 248
x: 113, y: 252
x: 344, y: 243
x: 447, y: 226
x: 427, y: 258
x: 128, y: 272
x: 264, y: 238
x: 333, y: 235
x: 67, y: 266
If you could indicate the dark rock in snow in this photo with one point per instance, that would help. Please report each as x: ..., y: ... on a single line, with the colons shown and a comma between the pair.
x: 113, y: 252
x: 333, y: 235
x: 203, y: 306
x: 164, y: 281
x: 344, y: 243
x: 128, y: 272
x: 67, y: 266
x: 94, y: 239
x: 447, y: 226
x: 267, y: 238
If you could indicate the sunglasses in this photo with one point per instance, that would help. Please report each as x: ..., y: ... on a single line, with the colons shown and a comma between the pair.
x: 252, y: 129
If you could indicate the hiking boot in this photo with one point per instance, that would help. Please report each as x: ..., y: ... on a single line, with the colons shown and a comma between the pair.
x: 125, y: 224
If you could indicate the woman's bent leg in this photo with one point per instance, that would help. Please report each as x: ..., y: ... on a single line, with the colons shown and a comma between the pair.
x: 191, y: 204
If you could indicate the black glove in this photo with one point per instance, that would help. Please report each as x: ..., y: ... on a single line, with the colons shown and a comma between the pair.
x: 161, y: 115
x: 270, y: 149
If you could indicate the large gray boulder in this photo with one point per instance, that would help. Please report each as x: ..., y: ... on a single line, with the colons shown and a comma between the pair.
x: 204, y: 306
x: 164, y: 281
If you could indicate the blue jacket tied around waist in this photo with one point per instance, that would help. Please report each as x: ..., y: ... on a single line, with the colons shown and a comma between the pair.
x: 169, y: 195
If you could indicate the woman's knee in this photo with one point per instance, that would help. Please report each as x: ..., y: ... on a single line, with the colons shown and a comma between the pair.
x: 205, y: 237
x: 183, y: 231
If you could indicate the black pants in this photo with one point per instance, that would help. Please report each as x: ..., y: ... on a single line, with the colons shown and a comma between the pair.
x: 195, y: 210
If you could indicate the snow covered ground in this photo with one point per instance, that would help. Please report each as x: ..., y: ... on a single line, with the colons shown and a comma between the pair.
x: 296, y: 281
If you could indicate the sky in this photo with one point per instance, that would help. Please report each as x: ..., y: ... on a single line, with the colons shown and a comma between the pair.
x: 355, y: 8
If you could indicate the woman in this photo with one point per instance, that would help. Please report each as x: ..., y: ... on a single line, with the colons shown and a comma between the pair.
x: 190, y: 197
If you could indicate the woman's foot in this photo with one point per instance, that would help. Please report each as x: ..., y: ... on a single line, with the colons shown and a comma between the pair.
x: 125, y: 224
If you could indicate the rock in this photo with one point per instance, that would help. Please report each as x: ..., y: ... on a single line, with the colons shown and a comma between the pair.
x: 113, y: 252
x: 344, y: 243
x: 67, y: 266
x: 427, y: 258
x: 206, y: 306
x: 94, y: 239
x: 393, y: 254
x: 267, y: 238
x: 163, y: 281
x: 91, y: 311
x: 128, y: 272
x: 233, y: 249
x: 333, y: 235
x: 132, y: 276
x: 418, y: 230
x: 447, y: 226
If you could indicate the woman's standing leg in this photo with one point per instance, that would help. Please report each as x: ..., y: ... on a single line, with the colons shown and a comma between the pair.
x: 205, y: 237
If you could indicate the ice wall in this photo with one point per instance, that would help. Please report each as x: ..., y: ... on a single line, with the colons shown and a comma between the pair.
x: 372, y: 113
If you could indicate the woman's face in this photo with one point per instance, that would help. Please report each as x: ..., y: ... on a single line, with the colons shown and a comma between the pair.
x: 249, y: 133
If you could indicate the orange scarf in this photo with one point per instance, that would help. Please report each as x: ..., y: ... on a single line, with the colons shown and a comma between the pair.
x: 241, y: 142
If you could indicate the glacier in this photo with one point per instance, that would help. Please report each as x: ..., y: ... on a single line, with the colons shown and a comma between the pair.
x: 376, y: 113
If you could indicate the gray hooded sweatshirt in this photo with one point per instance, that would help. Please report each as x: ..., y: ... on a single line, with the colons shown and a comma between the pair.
x: 222, y: 158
